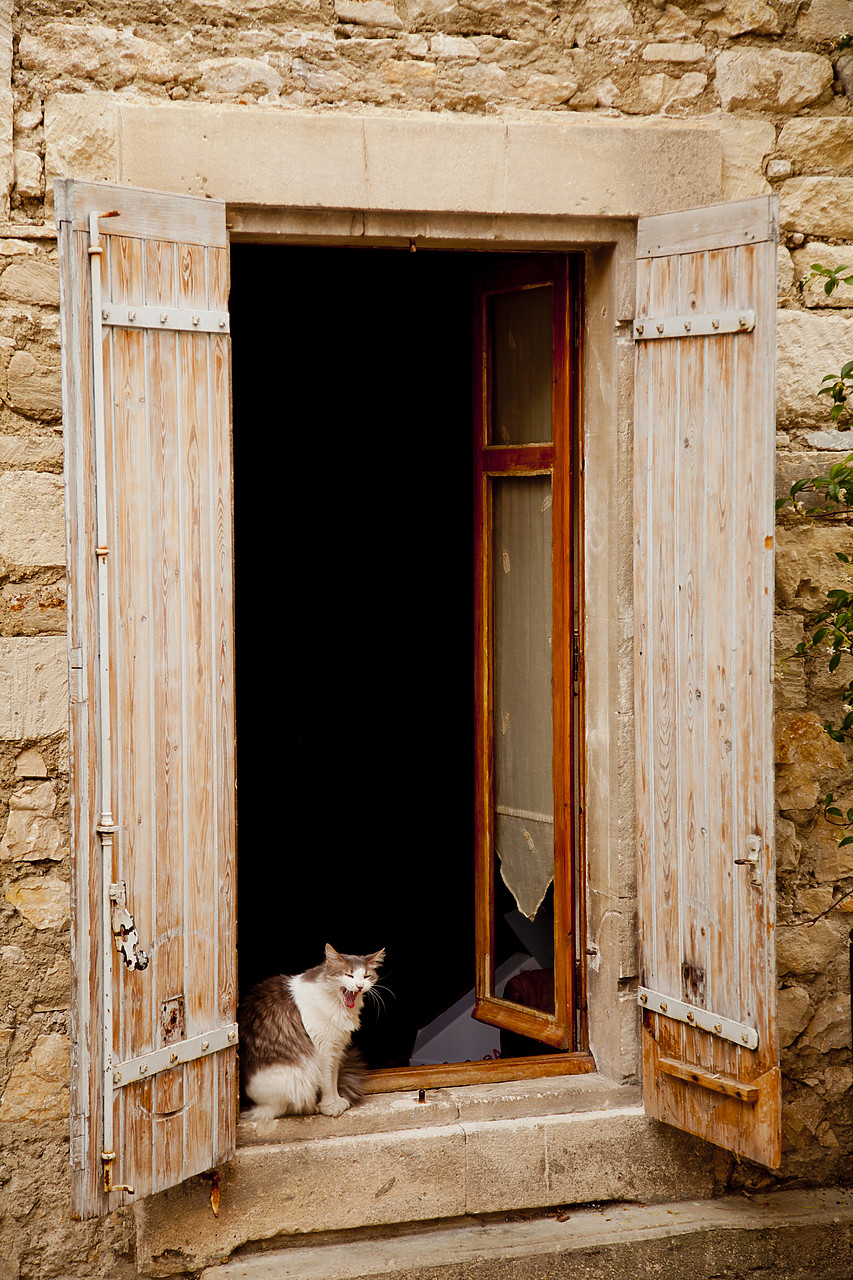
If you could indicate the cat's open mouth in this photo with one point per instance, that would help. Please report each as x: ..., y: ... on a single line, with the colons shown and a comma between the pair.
x: 349, y: 998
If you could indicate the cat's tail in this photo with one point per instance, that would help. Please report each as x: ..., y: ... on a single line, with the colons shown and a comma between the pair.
x: 351, y: 1076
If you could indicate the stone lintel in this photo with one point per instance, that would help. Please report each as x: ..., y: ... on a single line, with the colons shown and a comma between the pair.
x: 558, y: 163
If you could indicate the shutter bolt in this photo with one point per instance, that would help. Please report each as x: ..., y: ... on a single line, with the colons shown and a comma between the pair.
x: 131, y: 315
x: 690, y: 1017
x: 718, y: 1026
x: 116, y: 1077
x: 742, y: 321
x: 195, y: 320
x: 639, y: 329
x: 687, y: 326
x: 660, y: 328
x: 231, y: 1035
x: 205, y: 1045
x: 745, y: 1039
x: 105, y: 315
x: 222, y: 324
x: 715, y: 324
x: 644, y: 999
x: 663, y: 1006
x: 143, y: 1067
x: 164, y: 317
x: 173, y: 1057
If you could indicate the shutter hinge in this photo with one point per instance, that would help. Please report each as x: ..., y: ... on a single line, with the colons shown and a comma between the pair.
x: 577, y: 660
x: 694, y: 325
x: 124, y: 929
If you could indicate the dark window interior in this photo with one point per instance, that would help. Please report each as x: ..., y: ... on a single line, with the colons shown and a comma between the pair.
x: 353, y: 531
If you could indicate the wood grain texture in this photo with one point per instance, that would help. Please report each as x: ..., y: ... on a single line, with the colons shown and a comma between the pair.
x: 168, y: 484
x: 704, y: 435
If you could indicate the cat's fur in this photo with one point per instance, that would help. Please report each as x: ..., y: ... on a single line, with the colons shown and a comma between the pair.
x: 295, y: 1032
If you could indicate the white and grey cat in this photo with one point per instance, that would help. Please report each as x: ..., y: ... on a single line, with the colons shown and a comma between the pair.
x: 295, y: 1032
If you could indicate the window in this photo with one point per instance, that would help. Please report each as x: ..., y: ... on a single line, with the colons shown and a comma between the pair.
x: 148, y: 437
x: 527, y: 650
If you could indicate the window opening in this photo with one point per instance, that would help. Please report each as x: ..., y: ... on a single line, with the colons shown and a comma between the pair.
x: 353, y: 385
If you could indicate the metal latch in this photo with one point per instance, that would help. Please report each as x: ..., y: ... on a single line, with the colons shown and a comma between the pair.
x: 124, y: 929
x: 752, y: 859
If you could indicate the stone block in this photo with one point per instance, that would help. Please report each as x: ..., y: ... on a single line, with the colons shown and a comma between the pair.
x: 745, y: 145
x: 830, y: 861
x: 32, y: 519
x: 368, y: 13
x: 35, y: 282
x: 808, y: 347
x: 38, y: 1086
x: 818, y: 207
x: 794, y: 1012
x: 32, y: 833
x: 788, y: 847
x: 830, y: 1027
x: 45, y: 901
x: 760, y: 79
x: 742, y: 16
x: 30, y: 764
x: 231, y: 77
x: 35, y: 386
x: 572, y: 1159
x: 33, y: 687
x: 81, y: 138
x: 820, y: 144
x: 673, y: 51
x: 790, y: 679
x: 824, y: 20
x: 827, y: 255
x: 90, y: 52
x: 807, y: 948
x: 32, y: 609
x: 806, y: 756
x: 31, y: 452
x: 29, y: 174
x: 316, y: 1185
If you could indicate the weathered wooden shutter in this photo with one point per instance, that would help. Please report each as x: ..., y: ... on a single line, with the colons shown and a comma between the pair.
x: 703, y: 599
x: 147, y: 434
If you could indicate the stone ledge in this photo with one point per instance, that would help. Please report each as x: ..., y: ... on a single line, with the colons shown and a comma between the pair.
x: 442, y: 1170
x: 396, y: 1112
x: 798, y: 1235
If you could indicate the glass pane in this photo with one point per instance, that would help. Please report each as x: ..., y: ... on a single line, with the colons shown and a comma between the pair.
x: 522, y: 366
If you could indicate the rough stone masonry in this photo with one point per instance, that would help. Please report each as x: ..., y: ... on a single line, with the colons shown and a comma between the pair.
x: 772, y: 80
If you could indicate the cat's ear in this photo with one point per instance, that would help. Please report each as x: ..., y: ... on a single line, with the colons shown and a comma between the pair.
x: 376, y: 959
x: 332, y: 956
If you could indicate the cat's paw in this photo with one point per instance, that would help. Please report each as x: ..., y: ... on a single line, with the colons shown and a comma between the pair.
x: 334, y: 1106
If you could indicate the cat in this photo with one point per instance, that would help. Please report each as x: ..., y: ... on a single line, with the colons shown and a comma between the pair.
x: 295, y: 1032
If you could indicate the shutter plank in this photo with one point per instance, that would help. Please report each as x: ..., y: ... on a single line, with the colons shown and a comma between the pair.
x: 223, y: 697
x: 169, y: 1089
x: 703, y: 598
x: 126, y: 433
x: 169, y: 493
x: 201, y: 940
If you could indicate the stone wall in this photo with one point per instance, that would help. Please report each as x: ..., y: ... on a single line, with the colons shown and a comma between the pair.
x: 769, y: 79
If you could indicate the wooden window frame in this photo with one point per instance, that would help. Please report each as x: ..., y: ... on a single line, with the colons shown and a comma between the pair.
x: 492, y: 462
x: 565, y: 1032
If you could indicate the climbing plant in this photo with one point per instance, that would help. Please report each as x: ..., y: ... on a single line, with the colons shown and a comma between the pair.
x: 831, y: 492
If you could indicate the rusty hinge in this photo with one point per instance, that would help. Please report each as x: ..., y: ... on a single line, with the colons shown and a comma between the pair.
x: 576, y: 661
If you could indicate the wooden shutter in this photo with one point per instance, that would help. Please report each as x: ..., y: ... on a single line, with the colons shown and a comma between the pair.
x: 147, y: 409
x: 703, y: 599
